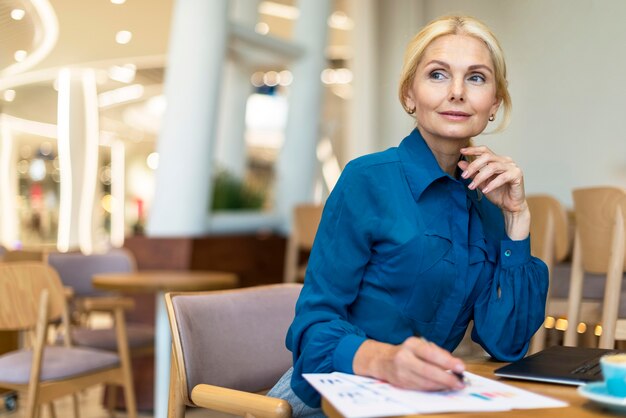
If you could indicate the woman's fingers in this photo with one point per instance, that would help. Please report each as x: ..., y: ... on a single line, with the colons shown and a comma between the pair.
x: 428, y: 366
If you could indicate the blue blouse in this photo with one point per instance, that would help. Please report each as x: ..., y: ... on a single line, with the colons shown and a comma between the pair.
x: 404, y: 249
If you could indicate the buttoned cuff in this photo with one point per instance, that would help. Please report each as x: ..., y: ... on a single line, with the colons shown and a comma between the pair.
x: 345, y: 351
x: 514, y: 253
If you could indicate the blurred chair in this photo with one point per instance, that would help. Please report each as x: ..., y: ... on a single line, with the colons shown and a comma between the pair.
x: 599, y: 249
x: 228, y: 346
x: 31, y: 296
x: 306, y: 218
x: 23, y: 255
x: 76, y: 271
x: 550, y: 242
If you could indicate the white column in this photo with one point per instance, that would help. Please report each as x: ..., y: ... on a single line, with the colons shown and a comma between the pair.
x: 192, y: 87
x: 230, y: 153
x: 297, y: 163
x: 9, y: 221
x: 118, y: 192
x: 363, y: 106
x: 77, y: 122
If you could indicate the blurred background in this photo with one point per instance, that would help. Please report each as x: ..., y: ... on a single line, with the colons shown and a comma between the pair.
x: 195, y: 117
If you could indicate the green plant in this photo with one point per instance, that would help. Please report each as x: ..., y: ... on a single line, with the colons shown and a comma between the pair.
x: 232, y: 193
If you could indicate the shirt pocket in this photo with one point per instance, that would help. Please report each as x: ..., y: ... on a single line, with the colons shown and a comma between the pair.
x: 433, y: 280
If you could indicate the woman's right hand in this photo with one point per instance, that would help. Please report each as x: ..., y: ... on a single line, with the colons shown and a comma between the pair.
x: 414, y: 364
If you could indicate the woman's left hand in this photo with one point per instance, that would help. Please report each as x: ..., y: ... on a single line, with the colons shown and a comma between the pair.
x: 502, y: 182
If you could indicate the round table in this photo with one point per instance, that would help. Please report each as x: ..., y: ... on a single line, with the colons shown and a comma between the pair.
x: 159, y: 282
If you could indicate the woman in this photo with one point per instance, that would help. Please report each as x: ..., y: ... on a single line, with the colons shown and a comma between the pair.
x: 417, y: 241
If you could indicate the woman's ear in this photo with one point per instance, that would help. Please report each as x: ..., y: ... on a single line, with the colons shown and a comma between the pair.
x: 495, y: 106
x: 409, y: 103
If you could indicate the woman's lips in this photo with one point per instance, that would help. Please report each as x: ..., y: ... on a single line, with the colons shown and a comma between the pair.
x: 455, y: 115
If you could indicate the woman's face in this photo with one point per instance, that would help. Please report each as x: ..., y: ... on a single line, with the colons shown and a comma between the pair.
x: 454, y: 89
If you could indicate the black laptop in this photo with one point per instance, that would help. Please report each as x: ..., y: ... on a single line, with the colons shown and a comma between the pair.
x: 558, y: 364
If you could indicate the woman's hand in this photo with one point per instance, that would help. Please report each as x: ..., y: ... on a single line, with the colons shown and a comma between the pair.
x: 502, y: 182
x: 414, y: 364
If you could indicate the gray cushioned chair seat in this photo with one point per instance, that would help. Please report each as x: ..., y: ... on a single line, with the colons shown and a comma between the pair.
x: 58, y: 363
x: 105, y: 339
x: 593, y: 286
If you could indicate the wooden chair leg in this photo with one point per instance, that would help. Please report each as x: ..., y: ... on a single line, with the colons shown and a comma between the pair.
x: 111, y: 391
x: 51, y: 410
x: 176, y: 407
x: 75, y: 404
x: 129, y: 391
x: 31, y: 407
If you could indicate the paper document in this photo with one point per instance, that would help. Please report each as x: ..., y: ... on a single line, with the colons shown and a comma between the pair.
x: 364, y: 397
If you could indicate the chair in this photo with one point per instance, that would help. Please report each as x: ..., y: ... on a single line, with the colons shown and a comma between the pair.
x: 227, y: 346
x: 76, y: 271
x: 549, y: 238
x: 599, y: 248
x: 31, y: 296
x: 306, y: 218
x: 23, y: 255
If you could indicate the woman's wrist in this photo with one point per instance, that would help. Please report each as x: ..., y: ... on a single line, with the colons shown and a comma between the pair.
x: 517, y: 223
x: 370, y: 357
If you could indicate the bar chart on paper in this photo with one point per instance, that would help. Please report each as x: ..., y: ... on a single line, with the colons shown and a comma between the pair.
x: 363, y: 397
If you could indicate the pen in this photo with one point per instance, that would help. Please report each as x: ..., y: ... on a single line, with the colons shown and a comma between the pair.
x: 462, y: 378
x: 459, y: 375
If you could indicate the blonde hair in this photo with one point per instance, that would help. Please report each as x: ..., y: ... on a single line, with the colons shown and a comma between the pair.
x: 456, y: 25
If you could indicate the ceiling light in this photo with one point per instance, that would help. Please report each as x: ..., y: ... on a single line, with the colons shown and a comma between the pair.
x: 152, y: 161
x: 123, y: 73
x: 262, y: 28
x: 20, y: 55
x: 118, y: 1
x: 121, y: 95
x: 8, y: 95
x: 340, y: 20
x: 123, y: 37
x: 279, y: 10
x: 17, y: 14
x: 286, y: 78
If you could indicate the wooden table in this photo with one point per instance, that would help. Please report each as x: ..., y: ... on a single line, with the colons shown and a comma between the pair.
x: 579, y: 407
x: 159, y: 282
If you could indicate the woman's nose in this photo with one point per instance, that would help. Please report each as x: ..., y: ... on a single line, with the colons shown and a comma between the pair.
x: 457, y: 90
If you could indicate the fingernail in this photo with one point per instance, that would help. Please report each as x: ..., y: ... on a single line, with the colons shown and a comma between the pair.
x: 465, y: 174
x: 459, y: 368
x: 471, y: 186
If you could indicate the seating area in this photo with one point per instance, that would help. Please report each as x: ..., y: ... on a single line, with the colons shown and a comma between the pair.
x: 44, y: 372
x: 165, y: 167
x: 585, y: 300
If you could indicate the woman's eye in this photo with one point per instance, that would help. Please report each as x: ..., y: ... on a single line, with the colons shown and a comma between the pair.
x: 437, y: 75
x: 477, y: 78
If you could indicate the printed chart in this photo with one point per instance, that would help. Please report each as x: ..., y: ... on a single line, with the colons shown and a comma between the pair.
x: 363, y: 397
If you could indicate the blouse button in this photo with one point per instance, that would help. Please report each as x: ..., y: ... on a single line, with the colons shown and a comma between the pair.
x: 507, y: 253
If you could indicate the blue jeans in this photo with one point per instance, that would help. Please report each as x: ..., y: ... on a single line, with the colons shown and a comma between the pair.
x: 299, y: 409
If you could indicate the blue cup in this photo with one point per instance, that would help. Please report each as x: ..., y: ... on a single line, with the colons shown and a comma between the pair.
x: 614, y: 372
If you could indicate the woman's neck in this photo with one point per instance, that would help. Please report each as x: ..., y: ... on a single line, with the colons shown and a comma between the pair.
x: 447, y: 151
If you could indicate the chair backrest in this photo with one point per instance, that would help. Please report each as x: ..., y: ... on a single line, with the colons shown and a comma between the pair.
x: 232, y: 338
x: 76, y: 269
x: 21, y: 285
x: 23, y: 255
x: 599, y: 248
x: 596, y: 215
x: 549, y: 232
x: 306, y: 219
x: 549, y: 239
